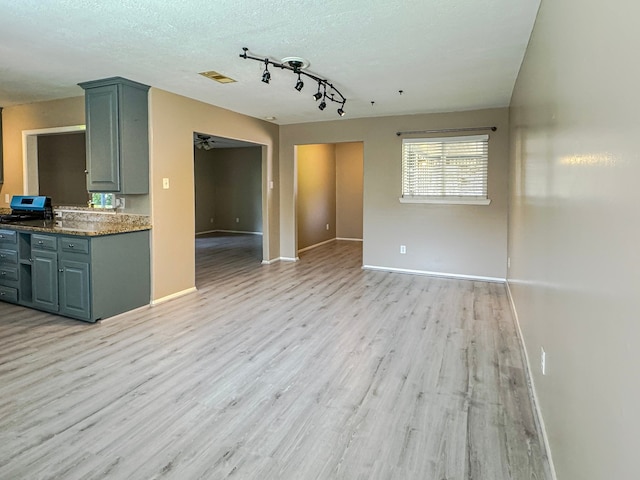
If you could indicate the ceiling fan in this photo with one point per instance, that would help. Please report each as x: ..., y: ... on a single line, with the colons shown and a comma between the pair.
x: 203, y: 142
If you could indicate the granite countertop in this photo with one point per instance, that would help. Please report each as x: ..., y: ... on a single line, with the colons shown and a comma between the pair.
x: 75, y: 227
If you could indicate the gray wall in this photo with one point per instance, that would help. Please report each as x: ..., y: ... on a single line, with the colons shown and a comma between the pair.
x: 453, y: 239
x: 228, y: 186
x: 574, y: 231
x: 349, y: 178
x: 204, y: 174
x: 61, y: 166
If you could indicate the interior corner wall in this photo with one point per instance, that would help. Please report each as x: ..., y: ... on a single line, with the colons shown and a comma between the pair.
x: 446, y: 239
x: 204, y: 175
x: 32, y: 116
x: 316, y: 195
x: 349, y: 178
x: 238, y: 189
x: 172, y: 121
x: 574, y: 231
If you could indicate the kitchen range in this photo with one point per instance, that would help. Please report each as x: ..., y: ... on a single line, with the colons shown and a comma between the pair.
x: 25, y: 208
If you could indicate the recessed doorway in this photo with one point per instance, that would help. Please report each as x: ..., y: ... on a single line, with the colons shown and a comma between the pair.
x: 229, y: 206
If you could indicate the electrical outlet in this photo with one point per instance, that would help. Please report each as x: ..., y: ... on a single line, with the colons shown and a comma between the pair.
x: 165, y: 183
x: 543, y: 361
x: 211, y: 220
x: 6, y: 198
x: 403, y: 249
x: 237, y: 220
x: 508, y: 262
x: 327, y: 226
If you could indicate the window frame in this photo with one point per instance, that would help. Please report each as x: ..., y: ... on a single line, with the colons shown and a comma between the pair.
x: 446, y: 199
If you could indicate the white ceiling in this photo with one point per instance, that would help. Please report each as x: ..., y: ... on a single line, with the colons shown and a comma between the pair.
x: 446, y: 55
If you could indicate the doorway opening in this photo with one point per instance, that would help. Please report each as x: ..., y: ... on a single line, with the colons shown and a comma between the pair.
x: 54, y: 163
x: 229, y: 180
x: 329, y: 180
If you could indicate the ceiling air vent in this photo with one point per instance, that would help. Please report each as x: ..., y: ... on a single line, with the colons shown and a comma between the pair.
x: 218, y: 77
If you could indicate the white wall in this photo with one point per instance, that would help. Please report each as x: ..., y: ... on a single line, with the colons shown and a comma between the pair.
x: 574, y: 230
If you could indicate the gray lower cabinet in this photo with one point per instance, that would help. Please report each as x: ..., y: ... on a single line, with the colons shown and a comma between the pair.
x: 44, y: 271
x: 87, y: 278
x: 8, y: 266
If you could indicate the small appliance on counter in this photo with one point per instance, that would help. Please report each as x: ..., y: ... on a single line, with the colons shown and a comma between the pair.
x: 28, y: 207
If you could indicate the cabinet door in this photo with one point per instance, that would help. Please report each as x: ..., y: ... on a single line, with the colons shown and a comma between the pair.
x: 103, y: 142
x: 45, y: 280
x: 74, y: 289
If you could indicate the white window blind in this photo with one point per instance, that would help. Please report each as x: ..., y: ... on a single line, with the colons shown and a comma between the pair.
x: 449, y: 168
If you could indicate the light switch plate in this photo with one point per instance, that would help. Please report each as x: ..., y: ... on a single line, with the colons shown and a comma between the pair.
x: 165, y: 183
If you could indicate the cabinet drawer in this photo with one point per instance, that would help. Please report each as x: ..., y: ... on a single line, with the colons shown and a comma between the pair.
x: 43, y: 242
x: 8, y: 273
x: 8, y: 256
x: 8, y: 236
x: 8, y: 294
x: 74, y: 245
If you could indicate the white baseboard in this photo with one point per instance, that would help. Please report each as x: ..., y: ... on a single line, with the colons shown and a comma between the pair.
x: 349, y: 239
x: 279, y: 259
x: 173, y: 295
x: 238, y: 231
x: 316, y: 245
x: 228, y: 231
x: 456, y: 276
x: 532, y: 387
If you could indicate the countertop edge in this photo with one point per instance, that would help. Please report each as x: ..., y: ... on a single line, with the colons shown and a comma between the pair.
x: 107, y: 230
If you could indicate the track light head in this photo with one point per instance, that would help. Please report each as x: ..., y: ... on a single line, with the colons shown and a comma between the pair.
x: 322, y: 105
x: 341, y: 112
x: 299, y: 84
x: 266, y: 75
x: 317, y: 96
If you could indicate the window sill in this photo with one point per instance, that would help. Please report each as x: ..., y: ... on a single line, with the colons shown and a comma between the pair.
x: 446, y: 201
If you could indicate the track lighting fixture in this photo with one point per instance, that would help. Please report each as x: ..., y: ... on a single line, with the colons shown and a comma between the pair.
x: 297, y: 65
x: 266, y: 76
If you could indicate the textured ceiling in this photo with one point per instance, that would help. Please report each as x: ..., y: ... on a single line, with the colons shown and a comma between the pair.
x: 445, y: 55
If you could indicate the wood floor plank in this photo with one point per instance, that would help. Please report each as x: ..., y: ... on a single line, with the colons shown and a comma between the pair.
x: 308, y: 370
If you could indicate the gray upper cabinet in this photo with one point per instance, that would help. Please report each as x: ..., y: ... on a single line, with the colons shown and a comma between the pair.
x: 117, y: 136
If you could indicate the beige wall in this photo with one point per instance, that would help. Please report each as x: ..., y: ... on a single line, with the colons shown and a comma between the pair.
x: 349, y: 177
x: 173, y: 119
x: 450, y: 239
x: 33, y: 116
x: 574, y: 231
x: 61, y: 166
x: 316, y: 195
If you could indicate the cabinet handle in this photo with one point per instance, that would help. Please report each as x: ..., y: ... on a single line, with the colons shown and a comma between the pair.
x: 61, y: 270
x: 71, y: 245
x: 3, y: 256
x: 86, y: 171
x: 40, y: 242
x: 4, y: 273
x: 1, y: 294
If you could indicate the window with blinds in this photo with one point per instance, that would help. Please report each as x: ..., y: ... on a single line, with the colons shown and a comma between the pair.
x: 445, y: 170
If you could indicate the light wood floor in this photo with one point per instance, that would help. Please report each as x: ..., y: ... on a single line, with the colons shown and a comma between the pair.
x: 312, y: 370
